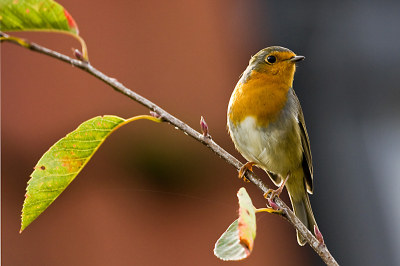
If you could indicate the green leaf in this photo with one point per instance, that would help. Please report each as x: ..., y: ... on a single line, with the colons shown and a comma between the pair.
x: 38, y: 15
x: 228, y: 246
x: 236, y: 243
x: 64, y: 160
x: 31, y: 15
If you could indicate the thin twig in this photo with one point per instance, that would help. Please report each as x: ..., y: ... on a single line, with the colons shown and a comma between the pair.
x: 321, y: 249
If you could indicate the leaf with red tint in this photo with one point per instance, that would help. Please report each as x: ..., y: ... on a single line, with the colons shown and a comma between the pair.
x: 71, y: 22
x: 35, y: 15
x: 237, y: 242
x: 38, y: 15
x: 247, y: 220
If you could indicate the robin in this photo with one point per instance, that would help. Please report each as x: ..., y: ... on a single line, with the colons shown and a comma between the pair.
x: 266, y: 124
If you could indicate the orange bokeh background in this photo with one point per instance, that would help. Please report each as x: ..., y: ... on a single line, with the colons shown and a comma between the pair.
x: 153, y: 196
x: 150, y: 195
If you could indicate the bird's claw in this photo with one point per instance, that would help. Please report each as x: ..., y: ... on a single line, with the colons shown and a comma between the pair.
x: 246, y: 167
x: 275, y: 193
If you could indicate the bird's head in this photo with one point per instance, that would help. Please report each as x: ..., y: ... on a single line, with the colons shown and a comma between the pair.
x: 275, y: 61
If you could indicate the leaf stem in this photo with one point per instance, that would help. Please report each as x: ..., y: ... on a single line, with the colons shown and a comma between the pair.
x: 26, y: 44
x: 84, y: 47
x: 139, y: 117
x: 269, y: 210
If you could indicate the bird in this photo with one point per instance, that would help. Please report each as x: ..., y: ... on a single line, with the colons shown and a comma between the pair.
x: 266, y: 124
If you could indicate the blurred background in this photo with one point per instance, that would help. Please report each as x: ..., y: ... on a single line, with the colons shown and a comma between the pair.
x: 152, y: 195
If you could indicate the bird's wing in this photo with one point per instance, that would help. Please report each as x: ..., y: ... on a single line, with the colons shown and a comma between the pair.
x: 305, y: 141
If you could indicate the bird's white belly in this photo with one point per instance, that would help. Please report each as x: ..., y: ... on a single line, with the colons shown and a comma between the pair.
x: 276, y: 148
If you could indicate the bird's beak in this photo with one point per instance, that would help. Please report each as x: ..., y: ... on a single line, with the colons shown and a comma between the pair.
x: 296, y: 58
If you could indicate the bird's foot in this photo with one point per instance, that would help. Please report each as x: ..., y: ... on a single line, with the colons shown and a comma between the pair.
x: 246, y: 167
x: 275, y: 193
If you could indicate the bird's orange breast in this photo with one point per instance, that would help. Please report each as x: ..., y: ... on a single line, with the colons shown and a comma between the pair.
x: 262, y: 96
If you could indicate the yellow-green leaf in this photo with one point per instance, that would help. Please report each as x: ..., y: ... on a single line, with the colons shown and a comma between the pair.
x: 236, y: 243
x: 32, y: 15
x: 63, y: 162
x: 38, y: 15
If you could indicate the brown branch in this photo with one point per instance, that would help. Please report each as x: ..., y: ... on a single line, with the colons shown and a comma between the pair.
x: 319, y: 247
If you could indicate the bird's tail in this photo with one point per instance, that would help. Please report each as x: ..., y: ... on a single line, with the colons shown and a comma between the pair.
x: 302, y: 209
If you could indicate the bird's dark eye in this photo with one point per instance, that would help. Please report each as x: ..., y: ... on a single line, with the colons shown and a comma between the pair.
x: 271, y: 59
